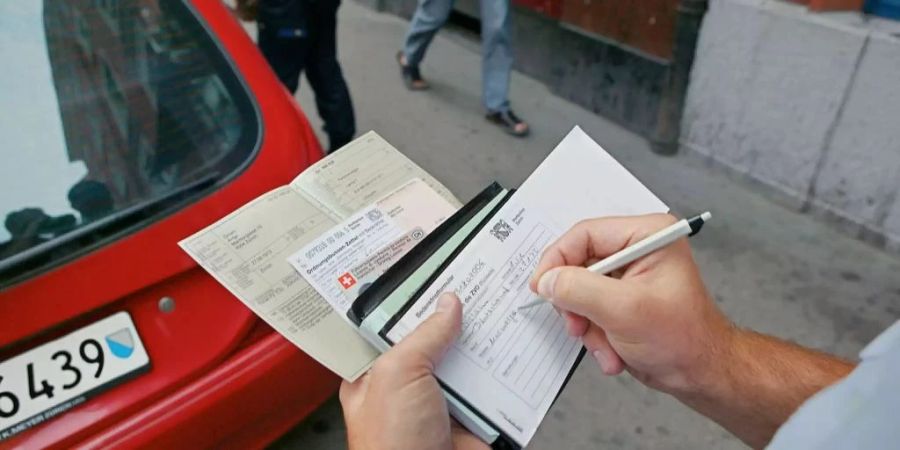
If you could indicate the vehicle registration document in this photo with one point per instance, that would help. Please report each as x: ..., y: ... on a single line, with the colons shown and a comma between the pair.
x: 247, y: 250
x: 510, y: 364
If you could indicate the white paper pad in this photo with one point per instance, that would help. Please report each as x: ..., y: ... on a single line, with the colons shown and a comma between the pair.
x: 510, y: 364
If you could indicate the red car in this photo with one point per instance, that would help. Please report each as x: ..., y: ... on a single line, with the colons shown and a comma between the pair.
x: 126, y: 126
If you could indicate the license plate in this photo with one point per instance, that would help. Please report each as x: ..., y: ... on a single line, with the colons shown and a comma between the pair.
x: 46, y: 381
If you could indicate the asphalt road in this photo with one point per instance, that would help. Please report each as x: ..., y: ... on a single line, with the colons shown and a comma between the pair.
x: 769, y: 267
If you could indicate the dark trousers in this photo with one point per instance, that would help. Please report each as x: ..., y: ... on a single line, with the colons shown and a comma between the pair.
x: 313, y: 48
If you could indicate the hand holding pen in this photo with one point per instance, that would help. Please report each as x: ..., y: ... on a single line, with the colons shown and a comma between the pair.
x: 657, y: 319
x: 630, y: 254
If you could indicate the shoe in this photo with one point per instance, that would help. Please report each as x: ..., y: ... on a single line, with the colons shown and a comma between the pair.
x: 510, y: 123
x: 412, y: 78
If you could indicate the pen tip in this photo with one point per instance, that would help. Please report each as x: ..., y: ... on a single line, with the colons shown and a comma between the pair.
x: 706, y: 216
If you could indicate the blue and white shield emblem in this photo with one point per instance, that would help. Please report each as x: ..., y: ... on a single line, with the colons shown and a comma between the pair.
x: 121, y: 343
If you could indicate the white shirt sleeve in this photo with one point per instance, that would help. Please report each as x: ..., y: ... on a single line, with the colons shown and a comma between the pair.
x: 861, y: 411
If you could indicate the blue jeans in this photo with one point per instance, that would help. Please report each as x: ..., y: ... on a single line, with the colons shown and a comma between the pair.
x: 496, y: 51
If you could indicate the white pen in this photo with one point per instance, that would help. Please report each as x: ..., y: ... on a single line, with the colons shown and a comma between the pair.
x: 650, y: 244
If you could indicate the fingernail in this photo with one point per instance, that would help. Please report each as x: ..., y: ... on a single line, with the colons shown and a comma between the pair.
x: 600, y: 357
x: 444, y: 303
x: 546, y: 283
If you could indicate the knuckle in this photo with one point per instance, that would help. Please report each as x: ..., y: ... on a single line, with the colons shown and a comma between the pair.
x: 585, y: 227
x: 585, y: 224
x: 386, y: 365
x: 547, y: 252
x: 634, y: 303
x: 664, y: 219
x: 652, y: 223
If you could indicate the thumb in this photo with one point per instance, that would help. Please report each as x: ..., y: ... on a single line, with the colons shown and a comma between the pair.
x: 431, y: 339
x: 601, y: 299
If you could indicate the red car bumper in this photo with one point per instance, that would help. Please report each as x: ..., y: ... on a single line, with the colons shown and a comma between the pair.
x: 246, y: 402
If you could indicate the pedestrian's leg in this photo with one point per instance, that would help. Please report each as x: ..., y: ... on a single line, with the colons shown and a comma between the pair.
x: 496, y: 53
x: 285, y: 55
x: 325, y: 76
x: 496, y: 66
x: 430, y: 15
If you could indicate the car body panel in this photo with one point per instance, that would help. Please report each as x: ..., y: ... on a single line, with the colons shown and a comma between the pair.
x: 200, y: 355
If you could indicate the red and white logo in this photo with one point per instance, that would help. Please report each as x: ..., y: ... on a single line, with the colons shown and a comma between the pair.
x: 347, y: 281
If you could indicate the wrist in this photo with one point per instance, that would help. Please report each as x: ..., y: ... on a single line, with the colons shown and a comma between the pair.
x: 755, y: 382
x: 712, y: 373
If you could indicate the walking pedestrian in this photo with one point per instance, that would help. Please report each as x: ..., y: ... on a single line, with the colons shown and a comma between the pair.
x: 496, y: 54
x: 301, y: 35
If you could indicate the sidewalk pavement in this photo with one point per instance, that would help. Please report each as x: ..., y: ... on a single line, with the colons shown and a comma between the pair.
x: 769, y: 268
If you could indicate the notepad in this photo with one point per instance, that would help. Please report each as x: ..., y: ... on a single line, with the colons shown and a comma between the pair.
x: 507, y: 366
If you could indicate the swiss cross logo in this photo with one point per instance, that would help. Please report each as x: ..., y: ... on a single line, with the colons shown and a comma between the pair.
x: 347, y: 281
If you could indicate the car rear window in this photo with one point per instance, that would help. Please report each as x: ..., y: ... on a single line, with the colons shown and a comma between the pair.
x: 113, y: 114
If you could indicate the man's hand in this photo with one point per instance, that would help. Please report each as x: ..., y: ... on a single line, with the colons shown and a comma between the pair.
x: 398, y: 405
x: 656, y: 320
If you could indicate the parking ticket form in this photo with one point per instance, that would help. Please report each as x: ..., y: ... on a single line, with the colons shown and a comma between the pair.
x: 510, y: 364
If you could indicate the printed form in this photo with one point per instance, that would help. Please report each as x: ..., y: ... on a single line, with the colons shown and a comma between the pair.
x: 247, y: 250
x: 510, y: 364
x: 246, y: 253
x: 349, y: 257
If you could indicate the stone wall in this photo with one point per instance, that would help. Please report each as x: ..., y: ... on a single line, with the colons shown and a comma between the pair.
x: 805, y: 106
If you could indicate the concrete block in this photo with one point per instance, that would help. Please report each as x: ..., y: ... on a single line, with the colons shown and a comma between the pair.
x: 765, y: 89
x: 892, y: 226
x: 719, y: 85
x: 859, y: 175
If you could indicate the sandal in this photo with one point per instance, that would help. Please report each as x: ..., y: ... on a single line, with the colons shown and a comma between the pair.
x: 510, y: 123
x: 412, y: 78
